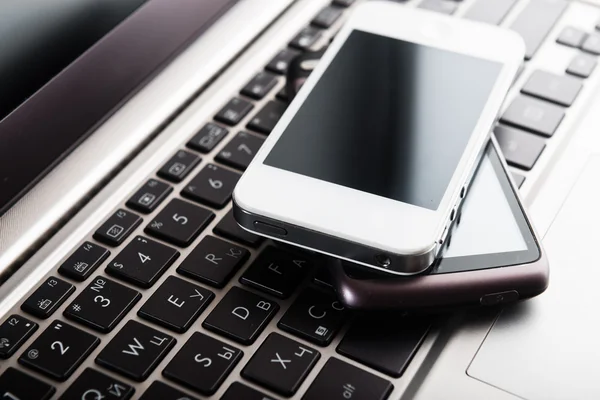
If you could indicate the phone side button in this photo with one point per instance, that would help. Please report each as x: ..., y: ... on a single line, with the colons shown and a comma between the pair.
x: 499, y: 298
x: 269, y: 229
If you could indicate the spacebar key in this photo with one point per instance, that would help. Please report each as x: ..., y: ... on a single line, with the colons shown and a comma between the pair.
x: 535, y: 22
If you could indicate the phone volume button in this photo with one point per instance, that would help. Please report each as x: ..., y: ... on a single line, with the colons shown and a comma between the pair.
x: 269, y: 229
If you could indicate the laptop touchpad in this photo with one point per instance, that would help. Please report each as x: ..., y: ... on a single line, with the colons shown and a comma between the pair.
x: 549, y: 347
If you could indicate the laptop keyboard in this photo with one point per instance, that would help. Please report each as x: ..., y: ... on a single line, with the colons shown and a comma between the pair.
x: 171, y: 292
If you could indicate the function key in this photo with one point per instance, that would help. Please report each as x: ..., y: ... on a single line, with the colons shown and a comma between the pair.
x: 213, y: 186
x: 339, y: 380
x: 203, y: 363
x: 582, y: 65
x: 14, y: 331
x: 344, y: 3
x: 240, y: 151
x: 280, y: 63
x: 15, y: 384
x: 59, y: 350
x: 281, y: 364
x: 306, y: 38
x: 229, y: 228
x: 533, y: 115
x: 161, y: 391
x: 84, y: 261
x: 142, y: 262
x: 117, y: 228
x: 448, y: 7
x: 592, y: 44
x: 149, y: 196
x: 135, y: 351
x: 207, y: 138
x: 45, y: 300
x: 92, y: 384
x: 102, y: 304
x: 315, y: 315
x: 179, y: 223
x: 327, y: 17
x: 559, y: 89
x: 571, y: 36
x: 276, y: 272
x: 179, y: 166
x: 266, y: 119
x: 239, y: 391
x: 384, y: 344
x: 260, y: 85
x: 282, y: 95
x: 241, y: 315
x: 521, y: 149
x: 176, y: 304
x: 213, y: 261
x: 234, y: 111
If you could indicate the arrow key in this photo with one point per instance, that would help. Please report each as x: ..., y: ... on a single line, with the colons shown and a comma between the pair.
x: 213, y: 186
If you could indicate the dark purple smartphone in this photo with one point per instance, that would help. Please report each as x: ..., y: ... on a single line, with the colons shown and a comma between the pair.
x: 492, y: 257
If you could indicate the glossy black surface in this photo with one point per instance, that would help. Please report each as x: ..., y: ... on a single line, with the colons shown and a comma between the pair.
x: 388, y: 117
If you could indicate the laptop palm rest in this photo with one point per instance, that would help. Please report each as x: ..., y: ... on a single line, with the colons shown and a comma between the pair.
x: 548, y: 348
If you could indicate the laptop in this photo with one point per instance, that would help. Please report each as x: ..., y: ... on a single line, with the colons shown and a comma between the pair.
x: 125, y: 276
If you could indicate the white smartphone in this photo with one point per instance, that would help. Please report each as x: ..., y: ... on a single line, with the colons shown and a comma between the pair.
x: 373, y: 156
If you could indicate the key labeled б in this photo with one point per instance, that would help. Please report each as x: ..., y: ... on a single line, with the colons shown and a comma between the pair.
x: 213, y: 186
x: 48, y: 297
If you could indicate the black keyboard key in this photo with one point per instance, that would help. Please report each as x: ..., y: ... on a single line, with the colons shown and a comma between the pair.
x: 161, y: 391
x: 572, y: 37
x: 521, y: 149
x: 59, y: 350
x: 281, y: 364
x: 48, y: 297
x: 260, y: 85
x: 213, y: 186
x: 519, y: 179
x: 343, y: 3
x: 490, y: 12
x: 17, y: 385
x: 306, y: 38
x: 592, y: 44
x: 142, y: 262
x: 213, y: 261
x: 241, y: 315
x: 149, y: 196
x: 94, y: 385
x: 229, y: 228
x: 282, y: 95
x: 117, y: 228
x: 535, y: 22
x: 383, y: 343
x: 533, y: 115
x: 448, y: 7
x: 234, y: 111
x: 203, y: 363
x: 266, y: 119
x: 135, y: 351
x: 14, y: 331
x: 239, y: 391
x: 339, y: 380
x: 102, y: 304
x: 240, y: 151
x: 327, y: 17
x: 562, y: 90
x: 280, y: 63
x: 315, y: 316
x: 84, y: 261
x: 176, y: 304
x: 179, y: 223
x: 582, y: 65
x: 179, y: 166
x: 207, y: 138
x: 276, y: 272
